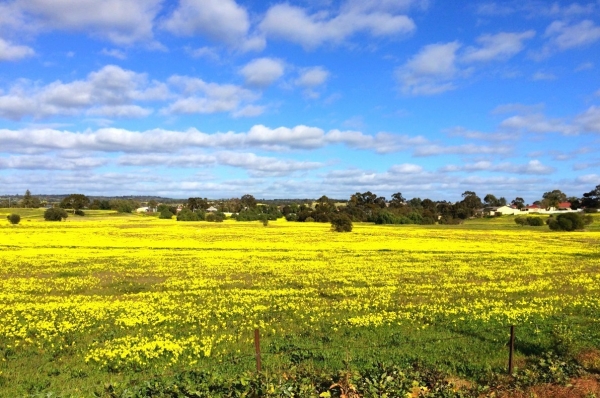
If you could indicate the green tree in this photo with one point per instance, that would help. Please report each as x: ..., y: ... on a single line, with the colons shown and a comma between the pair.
x: 187, y: 215
x: 341, y: 223
x: 75, y: 201
x: 14, y: 219
x: 518, y: 202
x: 490, y: 200
x: 152, y: 205
x: 569, y: 222
x: 197, y: 203
x: 248, y: 201
x: 165, y: 214
x: 397, y: 200
x: 591, y: 200
x: 55, y: 214
x: 553, y: 198
x: 29, y: 201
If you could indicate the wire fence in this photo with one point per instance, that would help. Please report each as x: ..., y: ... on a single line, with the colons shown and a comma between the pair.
x: 505, y: 336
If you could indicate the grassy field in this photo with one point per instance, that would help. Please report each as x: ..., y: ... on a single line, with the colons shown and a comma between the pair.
x: 103, y: 303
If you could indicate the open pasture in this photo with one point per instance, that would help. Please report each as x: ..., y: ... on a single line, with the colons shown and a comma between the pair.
x: 118, y: 300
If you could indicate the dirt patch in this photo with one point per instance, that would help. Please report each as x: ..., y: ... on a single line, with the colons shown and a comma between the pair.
x: 584, y: 387
x: 590, y: 360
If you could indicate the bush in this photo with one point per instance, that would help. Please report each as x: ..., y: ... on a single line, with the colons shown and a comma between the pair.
x: 14, y: 219
x: 569, y: 222
x: 309, y: 219
x: 165, y: 215
x: 187, y: 215
x: 520, y: 220
x: 55, y: 214
x: 590, y: 210
x: 215, y: 217
x: 79, y: 213
x: 341, y: 223
x: 535, y: 221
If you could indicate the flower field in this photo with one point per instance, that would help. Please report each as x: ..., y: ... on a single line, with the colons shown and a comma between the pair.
x: 107, y: 300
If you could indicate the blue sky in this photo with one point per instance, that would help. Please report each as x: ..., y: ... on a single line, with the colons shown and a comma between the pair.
x: 219, y: 98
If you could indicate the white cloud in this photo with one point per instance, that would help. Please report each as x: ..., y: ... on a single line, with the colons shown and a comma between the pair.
x: 584, y: 66
x: 159, y: 140
x: 533, y: 167
x: 566, y: 36
x: 465, y: 149
x: 265, y: 166
x: 478, y: 135
x: 49, y: 163
x: 118, y: 93
x: 589, y: 120
x: 249, y: 111
x: 203, y: 52
x: 13, y: 52
x: 540, y: 75
x: 296, y: 25
x: 224, y: 21
x: 110, y: 91
x: 537, y: 123
x: 312, y: 77
x: 262, y: 72
x: 201, y: 97
x: 499, y: 46
x: 120, y: 21
x: 430, y: 71
x: 115, y: 53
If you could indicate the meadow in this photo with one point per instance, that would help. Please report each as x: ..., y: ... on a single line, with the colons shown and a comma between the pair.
x: 103, y: 304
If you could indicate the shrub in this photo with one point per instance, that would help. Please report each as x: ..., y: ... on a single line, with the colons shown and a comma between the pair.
x: 165, y: 215
x: 590, y: 210
x: 215, y: 217
x: 14, y: 218
x: 341, y: 223
x: 187, y: 215
x: 79, y: 213
x: 309, y: 219
x: 535, y: 221
x: 55, y: 214
x: 291, y: 217
x: 520, y: 220
x: 568, y: 222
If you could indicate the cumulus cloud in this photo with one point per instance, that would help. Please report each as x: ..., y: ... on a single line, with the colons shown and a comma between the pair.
x: 295, y: 24
x: 198, y: 96
x: 499, y: 46
x: 159, y: 140
x: 223, y: 21
x: 115, y: 53
x: 49, y: 163
x: 430, y: 71
x: 537, y: 123
x: 564, y: 35
x: 120, y: 21
x: 436, y: 67
x: 262, y: 72
x: 534, y: 167
x: 312, y: 77
x: 13, y: 52
x: 114, y: 92
x: 107, y: 92
x: 541, y: 75
x: 589, y: 120
x: 465, y: 149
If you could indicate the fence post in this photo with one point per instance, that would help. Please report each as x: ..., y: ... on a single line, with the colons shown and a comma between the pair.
x: 257, y: 349
x: 511, y: 349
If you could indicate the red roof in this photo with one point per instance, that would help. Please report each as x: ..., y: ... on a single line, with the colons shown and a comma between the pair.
x: 564, y: 205
x: 533, y: 207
